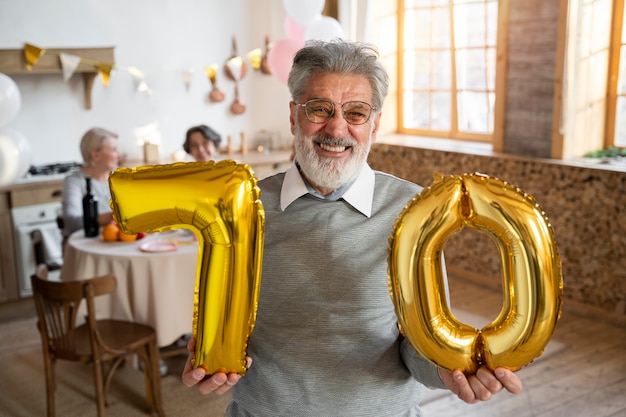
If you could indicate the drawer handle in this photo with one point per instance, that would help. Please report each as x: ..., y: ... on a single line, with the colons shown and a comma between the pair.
x: 56, y: 193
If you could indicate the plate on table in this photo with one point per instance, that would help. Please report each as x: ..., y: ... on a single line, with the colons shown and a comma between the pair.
x: 159, y: 246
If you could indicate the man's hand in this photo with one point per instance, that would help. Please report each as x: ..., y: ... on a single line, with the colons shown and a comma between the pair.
x: 219, y: 383
x: 482, y: 385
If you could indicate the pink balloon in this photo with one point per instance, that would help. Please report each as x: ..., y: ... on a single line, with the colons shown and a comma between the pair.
x: 293, y: 31
x: 280, y: 58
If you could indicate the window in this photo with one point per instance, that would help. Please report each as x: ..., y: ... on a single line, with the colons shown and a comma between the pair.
x: 448, y: 68
x: 616, y: 106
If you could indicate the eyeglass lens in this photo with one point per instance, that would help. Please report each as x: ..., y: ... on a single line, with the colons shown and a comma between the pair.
x: 320, y: 111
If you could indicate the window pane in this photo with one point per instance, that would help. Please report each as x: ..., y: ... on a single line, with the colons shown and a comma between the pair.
x: 428, y: 86
x: 442, y: 70
x: 417, y: 3
x: 492, y: 23
x: 620, y: 122
x: 469, y: 25
x: 475, y: 112
x: 417, y: 30
x: 417, y: 71
x: 621, y: 88
x: 441, y: 28
x: 416, y: 110
x: 471, y: 69
x: 442, y: 112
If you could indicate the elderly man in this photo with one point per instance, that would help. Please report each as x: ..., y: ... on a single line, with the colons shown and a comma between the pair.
x: 326, y: 341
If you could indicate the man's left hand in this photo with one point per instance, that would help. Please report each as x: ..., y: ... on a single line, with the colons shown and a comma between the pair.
x: 482, y: 385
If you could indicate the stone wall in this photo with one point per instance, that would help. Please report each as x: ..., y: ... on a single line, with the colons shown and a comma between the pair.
x: 586, y: 207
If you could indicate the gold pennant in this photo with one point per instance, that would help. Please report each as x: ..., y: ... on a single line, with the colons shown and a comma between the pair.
x: 32, y: 54
x: 105, y: 72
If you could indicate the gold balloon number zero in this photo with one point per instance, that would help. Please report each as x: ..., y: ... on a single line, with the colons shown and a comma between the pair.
x: 531, y: 269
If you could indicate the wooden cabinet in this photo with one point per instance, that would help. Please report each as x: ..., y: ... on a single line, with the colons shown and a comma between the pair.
x: 19, y: 195
x: 12, y: 61
x: 37, y: 194
x: 8, y: 271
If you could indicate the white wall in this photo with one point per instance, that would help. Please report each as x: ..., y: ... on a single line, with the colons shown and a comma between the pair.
x: 160, y: 37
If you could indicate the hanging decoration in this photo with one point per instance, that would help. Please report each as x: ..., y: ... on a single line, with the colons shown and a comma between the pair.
x: 187, y: 75
x: 216, y: 95
x: 69, y: 63
x: 235, y: 69
x: 105, y: 72
x: 32, y: 54
x: 139, y: 80
x: 265, y: 68
x: 255, y: 56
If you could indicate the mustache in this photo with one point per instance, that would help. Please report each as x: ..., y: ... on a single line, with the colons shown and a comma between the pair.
x: 331, y: 141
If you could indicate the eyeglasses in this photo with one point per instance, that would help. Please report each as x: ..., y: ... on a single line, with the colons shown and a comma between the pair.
x: 319, y: 110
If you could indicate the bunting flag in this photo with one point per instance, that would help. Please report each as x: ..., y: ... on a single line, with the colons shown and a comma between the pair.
x: 187, y: 77
x: 139, y: 79
x: 69, y: 63
x: 105, y: 72
x: 32, y: 54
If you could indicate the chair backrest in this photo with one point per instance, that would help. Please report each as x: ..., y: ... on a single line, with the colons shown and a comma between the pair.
x: 57, y: 304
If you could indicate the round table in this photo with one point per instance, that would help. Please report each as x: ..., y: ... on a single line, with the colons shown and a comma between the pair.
x: 154, y: 288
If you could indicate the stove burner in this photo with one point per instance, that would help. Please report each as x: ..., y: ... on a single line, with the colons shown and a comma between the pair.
x: 52, y: 169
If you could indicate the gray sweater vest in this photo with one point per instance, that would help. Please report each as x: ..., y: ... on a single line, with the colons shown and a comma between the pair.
x: 326, y: 341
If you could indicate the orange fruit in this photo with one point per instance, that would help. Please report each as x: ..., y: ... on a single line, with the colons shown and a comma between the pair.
x: 110, y: 232
x: 126, y: 237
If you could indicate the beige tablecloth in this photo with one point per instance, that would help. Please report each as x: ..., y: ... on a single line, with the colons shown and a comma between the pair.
x: 153, y: 288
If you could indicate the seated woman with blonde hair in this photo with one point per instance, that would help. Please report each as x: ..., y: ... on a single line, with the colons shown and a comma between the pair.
x: 98, y: 148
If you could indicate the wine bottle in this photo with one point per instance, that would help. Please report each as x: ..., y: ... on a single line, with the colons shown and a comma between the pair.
x: 90, y: 212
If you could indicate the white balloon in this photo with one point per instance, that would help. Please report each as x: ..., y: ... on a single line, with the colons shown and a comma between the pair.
x: 304, y: 12
x: 10, y: 99
x: 15, y: 156
x: 325, y: 28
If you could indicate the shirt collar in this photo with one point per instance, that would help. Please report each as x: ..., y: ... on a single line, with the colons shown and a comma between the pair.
x: 360, y: 195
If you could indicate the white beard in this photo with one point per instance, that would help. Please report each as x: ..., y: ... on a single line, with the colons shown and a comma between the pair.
x: 329, y: 172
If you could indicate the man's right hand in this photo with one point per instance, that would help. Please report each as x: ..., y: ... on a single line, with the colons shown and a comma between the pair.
x: 218, y: 383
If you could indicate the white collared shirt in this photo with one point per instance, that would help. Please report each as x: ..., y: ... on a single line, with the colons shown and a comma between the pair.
x: 360, y: 195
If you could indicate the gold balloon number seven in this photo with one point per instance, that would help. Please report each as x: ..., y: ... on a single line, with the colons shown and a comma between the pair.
x: 531, y: 267
x: 220, y: 203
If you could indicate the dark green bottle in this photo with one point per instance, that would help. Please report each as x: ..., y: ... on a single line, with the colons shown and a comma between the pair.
x: 90, y: 212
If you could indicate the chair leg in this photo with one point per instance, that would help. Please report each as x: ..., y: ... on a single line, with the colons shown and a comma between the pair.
x: 49, y: 363
x: 153, y: 378
x: 99, y: 386
x: 109, y: 375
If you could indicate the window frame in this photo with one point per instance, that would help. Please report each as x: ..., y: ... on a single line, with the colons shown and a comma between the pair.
x: 617, y: 28
x: 496, y: 137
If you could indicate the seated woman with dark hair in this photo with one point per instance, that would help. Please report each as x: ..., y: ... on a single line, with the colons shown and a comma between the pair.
x: 202, y: 143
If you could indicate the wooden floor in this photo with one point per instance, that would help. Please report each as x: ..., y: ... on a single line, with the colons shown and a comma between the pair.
x: 581, y: 373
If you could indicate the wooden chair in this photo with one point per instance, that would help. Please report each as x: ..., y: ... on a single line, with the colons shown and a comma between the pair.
x: 97, y: 341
